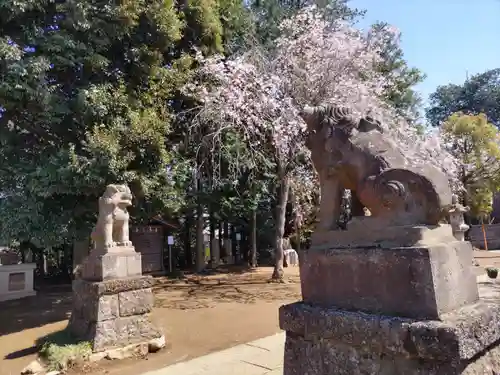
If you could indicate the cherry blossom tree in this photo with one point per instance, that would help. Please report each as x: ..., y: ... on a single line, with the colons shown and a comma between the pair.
x: 314, y: 62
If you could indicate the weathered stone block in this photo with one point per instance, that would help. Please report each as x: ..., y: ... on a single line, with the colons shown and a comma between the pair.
x: 306, y: 356
x: 112, y: 313
x: 117, y: 263
x: 364, y: 232
x: 413, y: 282
x: 90, y: 306
x: 107, y: 308
x: 138, y: 328
x: 325, y: 341
x: 134, y: 265
x: 107, y: 287
x: 105, y: 335
x: 136, y: 302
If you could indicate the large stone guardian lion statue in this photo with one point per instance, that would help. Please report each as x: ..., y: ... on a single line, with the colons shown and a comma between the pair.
x: 357, y: 155
x: 112, y: 227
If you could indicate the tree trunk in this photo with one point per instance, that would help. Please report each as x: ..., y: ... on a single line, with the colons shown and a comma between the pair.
x: 244, y: 245
x: 253, y: 239
x: 234, y: 245
x: 40, y: 261
x: 221, y: 241
x: 225, y: 240
x: 280, y: 227
x: 297, y: 234
x: 200, y: 225
x: 24, y: 248
x: 200, y: 245
x: 188, y: 253
x: 66, y: 261
x: 212, y: 235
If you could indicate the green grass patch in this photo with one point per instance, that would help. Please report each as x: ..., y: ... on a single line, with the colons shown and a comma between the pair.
x: 61, y: 350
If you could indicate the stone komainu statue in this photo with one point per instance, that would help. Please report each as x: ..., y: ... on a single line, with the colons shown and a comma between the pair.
x: 112, y: 228
x: 357, y: 155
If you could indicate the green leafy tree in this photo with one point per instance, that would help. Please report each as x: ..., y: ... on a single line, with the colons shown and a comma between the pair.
x: 399, y: 91
x: 481, y: 202
x: 478, y: 94
x: 475, y: 143
x: 86, y: 98
x: 84, y: 87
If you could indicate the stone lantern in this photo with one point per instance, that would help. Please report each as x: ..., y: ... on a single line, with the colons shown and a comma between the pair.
x: 457, y: 222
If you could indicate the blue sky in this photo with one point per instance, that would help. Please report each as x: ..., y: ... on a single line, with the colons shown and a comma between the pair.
x: 443, y: 38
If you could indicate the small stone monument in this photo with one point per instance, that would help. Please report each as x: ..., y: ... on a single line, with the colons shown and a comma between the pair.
x: 291, y: 256
x: 16, y: 278
x: 395, y: 292
x: 457, y: 221
x: 112, y: 299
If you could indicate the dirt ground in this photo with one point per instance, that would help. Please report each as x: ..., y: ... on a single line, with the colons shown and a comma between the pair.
x: 487, y: 259
x: 199, y: 315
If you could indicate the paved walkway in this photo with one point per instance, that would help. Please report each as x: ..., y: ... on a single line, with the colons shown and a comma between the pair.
x: 260, y: 357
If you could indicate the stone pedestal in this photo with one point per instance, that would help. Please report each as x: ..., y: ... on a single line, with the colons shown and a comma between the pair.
x: 391, y: 310
x: 327, y: 341
x: 117, y: 262
x: 414, y: 282
x: 113, y: 313
x: 112, y: 300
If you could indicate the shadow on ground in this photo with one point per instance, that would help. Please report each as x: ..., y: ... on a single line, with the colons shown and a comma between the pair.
x: 26, y: 313
x: 197, y: 292
x: 223, y: 270
x: 59, y: 338
x: 226, y: 283
x: 22, y: 353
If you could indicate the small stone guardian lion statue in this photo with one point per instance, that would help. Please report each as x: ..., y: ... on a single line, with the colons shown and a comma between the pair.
x: 112, y: 228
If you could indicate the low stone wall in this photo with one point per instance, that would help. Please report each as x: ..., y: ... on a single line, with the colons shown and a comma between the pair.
x: 475, y: 236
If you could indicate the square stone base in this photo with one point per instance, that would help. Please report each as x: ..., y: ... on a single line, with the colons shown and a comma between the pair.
x: 117, y: 262
x: 327, y: 341
x: 422, y: 282
x: 114, y: 313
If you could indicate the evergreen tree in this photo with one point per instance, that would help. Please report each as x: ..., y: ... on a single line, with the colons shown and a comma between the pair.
x: 87, y: 97
x: 399, y: 92
x: 478, y: 94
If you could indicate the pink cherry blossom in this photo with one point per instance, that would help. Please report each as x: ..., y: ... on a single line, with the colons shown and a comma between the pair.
x: 314, y: 62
